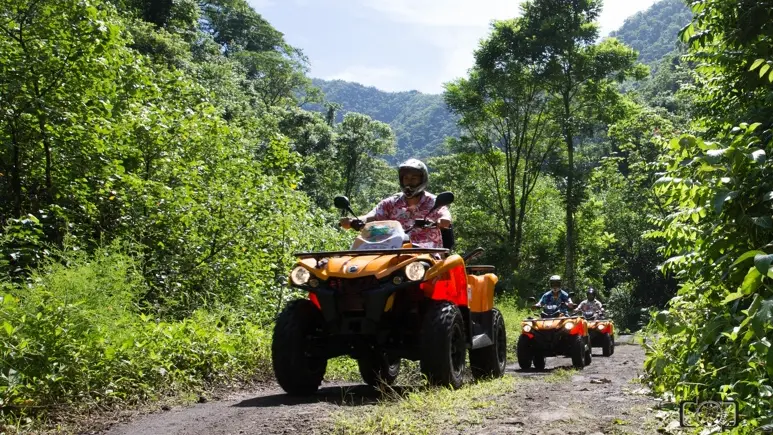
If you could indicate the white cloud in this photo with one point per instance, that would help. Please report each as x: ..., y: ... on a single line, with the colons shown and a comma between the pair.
x: 455, y: 27
x: 384, y: 78
x: 443, y: 13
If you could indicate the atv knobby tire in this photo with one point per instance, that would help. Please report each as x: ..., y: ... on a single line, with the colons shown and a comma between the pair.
x: 297, y: 372
x: 444, y: 347
x: 490, y: 361
x: 578, y: 351
x: 525, y: 352
x: 588, y: 352
x: 379, y: 369
x: 606, y: 345
x: 539, y: 361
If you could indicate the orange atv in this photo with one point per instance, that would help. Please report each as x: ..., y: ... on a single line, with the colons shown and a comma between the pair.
x: 602, y: 332
x: 553, y: 334
x: 383, y: 301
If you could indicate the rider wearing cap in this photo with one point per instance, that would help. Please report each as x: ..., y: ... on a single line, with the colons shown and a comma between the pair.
x: 414, y: 202
x: 555, y: 296
x: 591, y: 303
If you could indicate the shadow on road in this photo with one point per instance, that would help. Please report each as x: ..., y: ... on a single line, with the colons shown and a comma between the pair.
x: 350, y: 395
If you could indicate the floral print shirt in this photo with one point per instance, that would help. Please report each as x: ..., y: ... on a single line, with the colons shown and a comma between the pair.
x: 396, y: 208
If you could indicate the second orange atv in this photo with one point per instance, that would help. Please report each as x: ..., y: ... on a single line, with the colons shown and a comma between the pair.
x: 383, y: 301
x: 553, y: 334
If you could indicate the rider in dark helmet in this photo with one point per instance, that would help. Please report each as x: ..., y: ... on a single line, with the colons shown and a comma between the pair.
x: 413, y: 202
x: 591, y: 304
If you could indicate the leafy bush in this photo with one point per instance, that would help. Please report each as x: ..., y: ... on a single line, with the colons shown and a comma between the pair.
x: 77, y: 336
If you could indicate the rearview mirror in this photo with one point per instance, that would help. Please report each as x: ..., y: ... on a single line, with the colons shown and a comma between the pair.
x: 531, y: 300
x: 341, y: 202
x: 444, y: 199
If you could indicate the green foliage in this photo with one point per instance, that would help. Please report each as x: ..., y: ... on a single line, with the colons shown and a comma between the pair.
x: 653, y: 33
x: 76, y: 336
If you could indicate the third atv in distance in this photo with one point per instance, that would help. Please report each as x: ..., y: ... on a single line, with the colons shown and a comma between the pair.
x: 601, y: 331
x: 553, y: 334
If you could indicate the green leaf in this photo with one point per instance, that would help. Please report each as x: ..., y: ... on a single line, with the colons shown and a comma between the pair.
x: 763, y: 221
x: 751, y: 282
x: 767, y: 197
x: 769, y: 361
x: 764, y: 69
x: 8, y: 328
x: 732, y: 296
x: 746, y: 256
x: 758, y: 156
x: 721, y: 197
x: 763, y: 262
x: 756, y: 64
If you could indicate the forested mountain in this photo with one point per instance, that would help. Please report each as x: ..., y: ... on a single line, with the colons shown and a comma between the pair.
x: 653, y: 33
x: 421, y: 122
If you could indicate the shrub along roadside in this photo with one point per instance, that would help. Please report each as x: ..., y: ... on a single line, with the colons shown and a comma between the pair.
x: 76, y: 336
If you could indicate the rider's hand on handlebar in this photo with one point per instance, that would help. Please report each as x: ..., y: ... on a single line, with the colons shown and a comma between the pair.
x: 347, y: 223
x: 444, y: 223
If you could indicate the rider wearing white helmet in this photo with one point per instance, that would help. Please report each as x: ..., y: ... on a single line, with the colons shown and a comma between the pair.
x: 556, y: 296
x: 412, y: 203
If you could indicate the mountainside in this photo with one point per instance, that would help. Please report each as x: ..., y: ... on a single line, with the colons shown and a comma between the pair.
x: 654, y: 32
x: 421, y: 122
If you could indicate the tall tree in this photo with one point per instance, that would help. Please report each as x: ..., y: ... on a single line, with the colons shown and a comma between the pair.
x: 579, y: 74
x: 503, y: 112
x: 359, y: 140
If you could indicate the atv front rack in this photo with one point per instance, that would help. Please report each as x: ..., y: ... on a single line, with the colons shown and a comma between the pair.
x: 371, y: 252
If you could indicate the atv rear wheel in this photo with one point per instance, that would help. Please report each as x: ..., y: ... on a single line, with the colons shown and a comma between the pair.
x: 524, y: 352
x: 578, y: 352
x: 490, y: 361
x: 444, y: 346
x: 379, y: 369
x: 296, y: 370
x: 606, y: 345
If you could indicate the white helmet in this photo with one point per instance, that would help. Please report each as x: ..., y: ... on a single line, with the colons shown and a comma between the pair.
x: 555, y: 278
x: 417, y: 165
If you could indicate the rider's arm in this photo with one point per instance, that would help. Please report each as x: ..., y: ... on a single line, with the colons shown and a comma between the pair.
x: 444, y: 218
x: 378, y: 213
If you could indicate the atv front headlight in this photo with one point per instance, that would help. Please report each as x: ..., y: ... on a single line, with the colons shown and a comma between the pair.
x: 526, y: 328
x: 415, y: 271
x: 600, y: 326
x: 569, y: 325
x: 300, y: 276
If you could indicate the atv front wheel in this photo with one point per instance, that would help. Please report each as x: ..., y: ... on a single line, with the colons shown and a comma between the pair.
x: 606, y: 345
x: 296, y: 370
x: 588, y: 353
x: 539, y: 361
x: 490, y: 361
x: 379, y: 369
x: 578, y: 352
x: 444, y: 347
x: 524, y: 352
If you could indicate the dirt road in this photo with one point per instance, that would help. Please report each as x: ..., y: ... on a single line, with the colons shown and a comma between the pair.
x: 603, y: 398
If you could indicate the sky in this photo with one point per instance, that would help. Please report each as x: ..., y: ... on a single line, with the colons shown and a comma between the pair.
x: 401, y: 45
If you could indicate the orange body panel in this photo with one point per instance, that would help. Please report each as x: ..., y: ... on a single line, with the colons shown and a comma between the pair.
x: 580, y: 325
x: 482, y: 287
x: 608, y: 326
x: 361, y: 265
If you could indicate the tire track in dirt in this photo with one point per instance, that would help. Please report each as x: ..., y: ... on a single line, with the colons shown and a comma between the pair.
x: 602, y: 398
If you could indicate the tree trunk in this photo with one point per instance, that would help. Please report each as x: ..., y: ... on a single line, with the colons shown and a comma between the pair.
x: 570, y: 241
